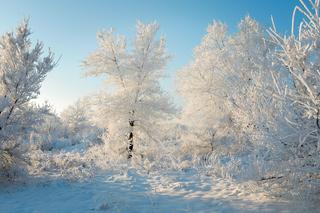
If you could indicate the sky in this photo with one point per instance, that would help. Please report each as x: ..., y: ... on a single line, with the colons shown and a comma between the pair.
x: 69, y: 28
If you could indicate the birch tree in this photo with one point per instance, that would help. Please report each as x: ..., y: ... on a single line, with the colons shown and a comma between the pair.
x: 135, y: 105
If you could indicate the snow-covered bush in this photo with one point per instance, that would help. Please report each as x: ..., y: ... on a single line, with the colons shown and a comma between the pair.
x: 22, y: 70
x: 134, y: 108
x: 66, y: 165
x: 49, y: 132
x: 80, y: 128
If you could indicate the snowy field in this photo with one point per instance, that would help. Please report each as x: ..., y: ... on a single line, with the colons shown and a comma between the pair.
x: 137, y: 193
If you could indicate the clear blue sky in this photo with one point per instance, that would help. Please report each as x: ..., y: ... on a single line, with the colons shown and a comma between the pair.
x: 69, y: 28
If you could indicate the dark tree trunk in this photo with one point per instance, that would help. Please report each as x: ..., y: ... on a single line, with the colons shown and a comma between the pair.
x: 212, y: 142
x: 130, y: 140
x: 10, y: 113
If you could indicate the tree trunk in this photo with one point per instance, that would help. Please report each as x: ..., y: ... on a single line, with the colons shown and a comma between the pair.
x: 130, y: 140
x: 9, y: 115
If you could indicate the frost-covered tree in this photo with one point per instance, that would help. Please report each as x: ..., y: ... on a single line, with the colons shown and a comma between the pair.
x: 77, y: 120
x: 299, y: 54
x: 198, y: 82
x: 224, y: 87
x: 75, y: 117
x: 135, y: 106
x: 22, y: 70
x: 50, y: 131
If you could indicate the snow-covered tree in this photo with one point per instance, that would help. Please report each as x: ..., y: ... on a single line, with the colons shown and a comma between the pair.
x: 224, y: 87
x: 22, y: 70
x: 197, y: 84
x: 135, y: 105
x: 77, y: 119
x: 49, y: 131
x: 299, y: 54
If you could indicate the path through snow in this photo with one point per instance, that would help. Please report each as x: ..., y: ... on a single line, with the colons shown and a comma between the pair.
x: 134, y: 193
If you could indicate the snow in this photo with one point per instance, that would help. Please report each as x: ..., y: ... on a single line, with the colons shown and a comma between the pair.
x: 131, y: 191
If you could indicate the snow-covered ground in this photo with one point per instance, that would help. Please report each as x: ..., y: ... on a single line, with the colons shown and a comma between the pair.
x: 137, y: 193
